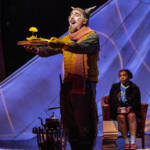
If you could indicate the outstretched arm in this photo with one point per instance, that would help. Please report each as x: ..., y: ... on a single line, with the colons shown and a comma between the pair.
x: 48, y: 51
x: 88, y: 46
x: 43, y: 51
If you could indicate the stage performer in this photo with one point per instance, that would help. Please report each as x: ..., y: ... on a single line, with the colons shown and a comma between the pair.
x: 80, y: 49
x: 125, y: 103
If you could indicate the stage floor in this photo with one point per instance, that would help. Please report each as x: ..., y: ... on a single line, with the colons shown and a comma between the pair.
x: 120, y: 144
x: 32, y: 144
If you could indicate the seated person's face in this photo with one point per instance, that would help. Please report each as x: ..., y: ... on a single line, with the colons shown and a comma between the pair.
x: 76, y: 20
x: 123, y: 77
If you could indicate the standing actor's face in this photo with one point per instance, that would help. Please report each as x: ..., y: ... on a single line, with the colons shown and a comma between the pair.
x: 76, y: 20
x: 123, y: 77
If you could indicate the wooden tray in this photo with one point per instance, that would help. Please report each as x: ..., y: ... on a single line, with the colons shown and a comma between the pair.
x: 32, y: 42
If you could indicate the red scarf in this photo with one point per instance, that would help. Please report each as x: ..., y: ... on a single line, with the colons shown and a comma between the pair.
x: 78, y: 78
x: 78, y: 35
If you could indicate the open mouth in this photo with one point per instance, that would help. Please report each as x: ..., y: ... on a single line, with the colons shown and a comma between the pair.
x: 72, y: 22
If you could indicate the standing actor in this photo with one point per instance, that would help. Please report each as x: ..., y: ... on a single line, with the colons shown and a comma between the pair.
x: 80, y: 49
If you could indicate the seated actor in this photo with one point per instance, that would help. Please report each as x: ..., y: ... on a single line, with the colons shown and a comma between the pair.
x: 80, y: 49
x: 125, y: 102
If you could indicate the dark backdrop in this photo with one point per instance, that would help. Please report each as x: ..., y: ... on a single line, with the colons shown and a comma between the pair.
x: 49, y: 16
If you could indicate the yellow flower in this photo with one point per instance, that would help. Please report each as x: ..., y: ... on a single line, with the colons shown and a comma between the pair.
x: 33, y: 29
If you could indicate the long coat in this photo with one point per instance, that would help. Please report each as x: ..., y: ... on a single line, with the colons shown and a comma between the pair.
x: 133, y: 98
